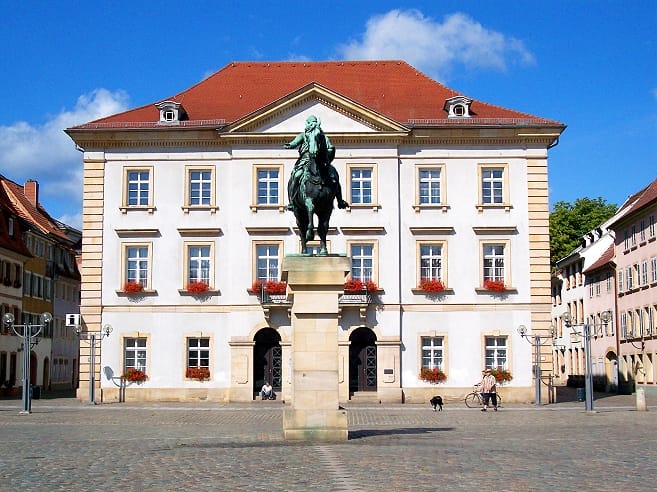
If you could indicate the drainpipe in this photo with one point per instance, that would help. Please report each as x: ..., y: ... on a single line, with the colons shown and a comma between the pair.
x: 399, y: 271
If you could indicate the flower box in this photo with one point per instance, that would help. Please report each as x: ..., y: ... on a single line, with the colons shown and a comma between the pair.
x: 134, y: 375
x: 494, y: 285
x: 132, y: 287
x: 200, y: 373
x: 198, y: 287
x: 501, y: 375
x: 273, y: 287
x: 431, y: 285
x: 358, y: 286
x: 433, y: 376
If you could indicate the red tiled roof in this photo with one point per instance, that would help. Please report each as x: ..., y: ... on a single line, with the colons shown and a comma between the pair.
x: 394, y: 89
x: 35, y: 215
x: 15, y: 242
x: 637, y: 201
x: 604, y: 259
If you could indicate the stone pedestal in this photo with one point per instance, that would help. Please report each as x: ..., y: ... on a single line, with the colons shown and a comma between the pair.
x: 315, y: 283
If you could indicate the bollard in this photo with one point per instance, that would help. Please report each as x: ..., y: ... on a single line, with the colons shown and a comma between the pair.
x: 640, y: 400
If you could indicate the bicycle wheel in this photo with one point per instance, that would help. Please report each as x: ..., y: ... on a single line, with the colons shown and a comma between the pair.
x: 472, y: 400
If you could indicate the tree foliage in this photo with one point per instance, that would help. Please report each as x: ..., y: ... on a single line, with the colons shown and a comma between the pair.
x: 570, y: 221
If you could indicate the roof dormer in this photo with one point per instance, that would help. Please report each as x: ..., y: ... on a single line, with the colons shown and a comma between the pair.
x: 171, y: 112
x: 458, y: 107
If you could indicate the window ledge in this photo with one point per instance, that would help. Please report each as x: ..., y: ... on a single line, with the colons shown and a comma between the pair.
x: 443, y: 207
x: 135, y: 208
x: 200, y: 208
x: 363, y: 206
x: 143, y: 293
x: 445, y: 291
x: 490, y: 206
x: 207, y: 293
x: 507, y: 290
x: 277, y: 207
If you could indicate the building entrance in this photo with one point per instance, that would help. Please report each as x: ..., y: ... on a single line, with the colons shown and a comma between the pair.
x: 267, y: 360
x: 362, y: 360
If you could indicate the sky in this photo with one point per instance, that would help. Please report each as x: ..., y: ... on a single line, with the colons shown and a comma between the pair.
x: 591, y: 65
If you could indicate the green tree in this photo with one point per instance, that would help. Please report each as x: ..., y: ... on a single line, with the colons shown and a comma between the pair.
x: 570, y: 221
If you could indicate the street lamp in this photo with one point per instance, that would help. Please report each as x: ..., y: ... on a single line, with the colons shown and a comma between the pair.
x: 95, y: 339
x: 605, y: 318
x: 538, y: 340
x: 27, y: 331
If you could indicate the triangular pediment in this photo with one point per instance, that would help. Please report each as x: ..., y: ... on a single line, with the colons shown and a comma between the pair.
x: 337, y: 114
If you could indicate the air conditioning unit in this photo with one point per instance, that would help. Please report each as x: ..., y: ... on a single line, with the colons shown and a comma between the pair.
x: 72, y: 320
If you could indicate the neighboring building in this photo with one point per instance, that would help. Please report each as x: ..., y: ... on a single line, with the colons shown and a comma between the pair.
x: 50, y: 264
x: 192, y: 188
x: 636, y: 272
x: 583, y: 288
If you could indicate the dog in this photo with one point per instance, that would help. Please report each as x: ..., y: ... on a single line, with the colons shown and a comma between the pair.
x: 437, y: 402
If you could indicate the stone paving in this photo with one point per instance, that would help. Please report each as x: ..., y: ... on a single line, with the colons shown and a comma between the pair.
x: 69, y: 445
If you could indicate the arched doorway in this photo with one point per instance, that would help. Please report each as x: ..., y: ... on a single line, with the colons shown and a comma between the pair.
x: 362, y: 360
x: 267, y: 360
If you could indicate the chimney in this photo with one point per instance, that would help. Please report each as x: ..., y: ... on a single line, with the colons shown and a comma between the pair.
x: 31, y: 190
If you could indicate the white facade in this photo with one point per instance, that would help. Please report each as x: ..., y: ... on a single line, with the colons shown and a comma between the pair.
x: 476, y: 327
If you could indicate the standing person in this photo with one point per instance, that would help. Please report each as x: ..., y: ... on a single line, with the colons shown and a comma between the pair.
x: 488, y: 389
x: 267, y: 392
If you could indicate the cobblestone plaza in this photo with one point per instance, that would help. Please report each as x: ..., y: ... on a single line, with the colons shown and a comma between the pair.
x: 68, y: 445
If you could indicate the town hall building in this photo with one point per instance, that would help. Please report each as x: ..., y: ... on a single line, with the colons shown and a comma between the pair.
x: 185, y: 229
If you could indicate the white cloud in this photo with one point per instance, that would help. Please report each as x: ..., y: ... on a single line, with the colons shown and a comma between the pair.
x: 435, y: 46
x: 47, y: 154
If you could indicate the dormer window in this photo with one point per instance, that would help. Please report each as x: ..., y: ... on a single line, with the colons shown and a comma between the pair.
x: 171, y: 112
x: 458, y: 107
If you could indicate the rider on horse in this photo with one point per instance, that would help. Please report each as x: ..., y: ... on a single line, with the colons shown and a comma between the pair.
x: 313, y: 144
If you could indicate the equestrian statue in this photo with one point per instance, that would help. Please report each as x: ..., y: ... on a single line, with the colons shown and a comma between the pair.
x: 314, y: 184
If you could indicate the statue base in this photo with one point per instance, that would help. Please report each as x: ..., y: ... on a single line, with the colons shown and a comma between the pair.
x: 315, y: 284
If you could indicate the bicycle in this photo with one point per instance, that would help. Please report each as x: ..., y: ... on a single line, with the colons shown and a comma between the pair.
x: 474, y: 399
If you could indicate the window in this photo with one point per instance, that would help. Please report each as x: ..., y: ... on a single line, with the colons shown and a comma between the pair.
x: 644, y: 272
x: 496, y: 353
x: 623, y: 325
x: 633, y: 236
x: 360, y: 184
x: 267, y: 262
x: 134, y: 356
x: 431, y: 261
x: 199, y: 263
x: 267, y: 186
x: 10, y: 226
x: 137, y: 263
x: 651, y: 320
x: 626, y: 239
x: 492, y: 185
x: 432, y: 352
x: 362, y: 262
x: 610, y: 279
x: 198, y: 352
x: 620, y: 281
x: 629, y: 278
x: 200, y: 188
x: 642, y: 230
x: 494, y: 262
x: 138, y: 192
x: 651, y: 226
x: 653, y: 269
x: 429, y: 186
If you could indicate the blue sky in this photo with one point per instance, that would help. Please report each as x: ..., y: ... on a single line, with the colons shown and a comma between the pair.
x: 589, y: 64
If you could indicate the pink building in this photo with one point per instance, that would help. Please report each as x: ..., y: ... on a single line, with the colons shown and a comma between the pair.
x: 636, y: 271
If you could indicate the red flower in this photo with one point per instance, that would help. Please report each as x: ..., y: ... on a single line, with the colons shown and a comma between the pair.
x: 198, y: 287
x: 132, y: 286
x: 257, y: 286
x: 433, y: 376
x: 494, y: 285
x: 501, y: 375
x: 273, y: 287
x: 134, y: 375
x: 431, y: 285
x: 356, y: 285
x: 200, y: 373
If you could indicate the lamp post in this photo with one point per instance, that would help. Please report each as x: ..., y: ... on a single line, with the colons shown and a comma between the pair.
x: 605, y: 317
x: 536, y: 341
x: 95, y: 339
x: 27, y: 331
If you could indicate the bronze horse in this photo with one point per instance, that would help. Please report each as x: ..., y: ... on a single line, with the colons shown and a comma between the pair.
x: 315, y: 197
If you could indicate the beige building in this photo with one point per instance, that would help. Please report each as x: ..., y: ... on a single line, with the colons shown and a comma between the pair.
x: 189, y: 194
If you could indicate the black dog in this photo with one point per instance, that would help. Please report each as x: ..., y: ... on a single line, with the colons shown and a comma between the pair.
x: 437, y: 401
